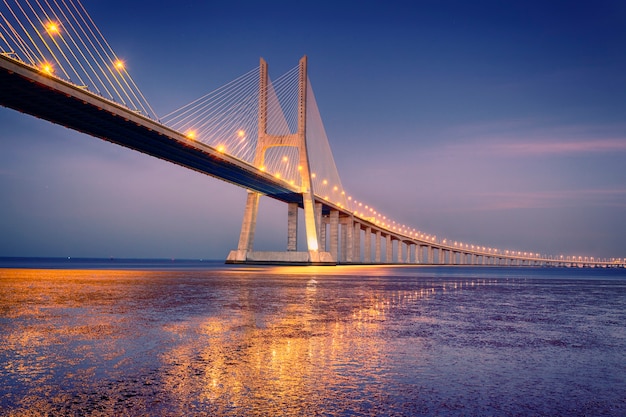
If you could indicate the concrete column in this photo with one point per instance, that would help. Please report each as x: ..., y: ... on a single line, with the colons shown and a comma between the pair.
x: 248, y: 226
x: 292, y: 227
x: 334, y: 234
x: 418, y: 250
x: 356, y: 251
x: 389, y: 250
x: 318, y: 224
x: 410, y: 248
x: 343, y: 255
x: 377, y: 250
x: 323, y: 224
x: 367, y: 246
x: 442, y: 257
x: 431, y: 255
x: 349, y: 239
x: 399, y: 257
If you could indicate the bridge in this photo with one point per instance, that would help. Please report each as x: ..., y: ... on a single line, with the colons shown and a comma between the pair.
x: 262, y: 135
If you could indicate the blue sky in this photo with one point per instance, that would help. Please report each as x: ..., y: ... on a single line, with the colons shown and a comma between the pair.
x: 489, y: 122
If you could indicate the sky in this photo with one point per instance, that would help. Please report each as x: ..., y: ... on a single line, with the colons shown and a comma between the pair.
x: 489, y: 122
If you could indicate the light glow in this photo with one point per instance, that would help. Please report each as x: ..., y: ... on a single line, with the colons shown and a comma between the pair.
x: 47, y: 68
x: 52, y: 28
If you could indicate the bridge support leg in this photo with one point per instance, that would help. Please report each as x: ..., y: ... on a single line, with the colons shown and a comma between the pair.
x: 367, y: 246
x: 389, y: 250
x: 318, y: 224
x: 334, y: 234
x: 356, y: 251
x: 349, y: 226
x: 377, y: 250
x: 323, y: 226
x: 248, y: 226
x: 292, y: 227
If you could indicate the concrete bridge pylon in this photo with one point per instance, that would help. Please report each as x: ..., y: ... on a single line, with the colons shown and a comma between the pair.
x: 245, y: 252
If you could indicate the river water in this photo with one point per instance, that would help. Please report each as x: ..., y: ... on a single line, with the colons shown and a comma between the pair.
x: 208, y: 339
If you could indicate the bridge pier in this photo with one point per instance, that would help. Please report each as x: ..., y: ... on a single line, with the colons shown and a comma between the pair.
x: 356, y: 255
x: 347, y: 240
x: 334, y: 234
x: 377, y: 243
x: 292, y: 227
x: 367, y: 246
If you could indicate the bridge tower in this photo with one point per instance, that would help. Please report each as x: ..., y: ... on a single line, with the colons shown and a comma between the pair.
x: 312, y: 215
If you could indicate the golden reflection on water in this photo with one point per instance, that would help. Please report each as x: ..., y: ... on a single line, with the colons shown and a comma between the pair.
x: 288, y: 353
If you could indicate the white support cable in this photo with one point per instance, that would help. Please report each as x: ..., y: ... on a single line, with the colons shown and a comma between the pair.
x: 23, y: 47
x: 75, y: 48
x: 90, y: 49
x: 40, y: 57
x: 204, y: 120
x: 132, y: 92
x: 206, y: 104
x: 106, y: 68
x: 68, y: 24
x: 42, y: 38
x: 203, y: 117
x: 225, y: 86
x: 111, y: 59
x: 58, y: 33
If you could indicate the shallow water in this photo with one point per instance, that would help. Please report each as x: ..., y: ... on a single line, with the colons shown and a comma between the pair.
x: 353, y: 341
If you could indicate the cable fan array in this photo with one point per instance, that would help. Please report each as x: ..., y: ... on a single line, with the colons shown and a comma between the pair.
x: 227, y: 119
x: 324, y: 175
x: 59, y: 38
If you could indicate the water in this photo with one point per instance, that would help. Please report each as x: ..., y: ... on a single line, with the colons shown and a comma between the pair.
x: 174, y: 338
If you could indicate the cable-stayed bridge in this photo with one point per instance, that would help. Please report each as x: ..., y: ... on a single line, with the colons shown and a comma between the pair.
x: 263, y: 135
